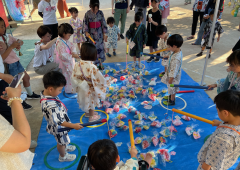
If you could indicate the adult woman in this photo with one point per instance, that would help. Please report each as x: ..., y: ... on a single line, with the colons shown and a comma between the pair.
x: 62, y: 6
x: 199, y: 7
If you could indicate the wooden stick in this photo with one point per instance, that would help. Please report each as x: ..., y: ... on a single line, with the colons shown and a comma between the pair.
x: 131, y: 133
x: 159, y: 51
x: 91, y: 39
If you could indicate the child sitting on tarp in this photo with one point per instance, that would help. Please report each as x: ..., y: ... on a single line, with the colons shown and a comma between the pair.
x: 222, y: 148
x: 232, y: 81
x: 103, y: 154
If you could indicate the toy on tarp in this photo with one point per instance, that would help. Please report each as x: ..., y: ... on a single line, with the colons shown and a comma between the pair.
x: 193, y: 116
x: 146, y: 142
x: 167, y: 132
x: 138, y: 122
x: 156, y: 124
x: 121, y: 116
x: 146, y: 103
x: 106, y: 104
x: 124, y: 127
x: 138, y: 129
x: 186, y: 118
x: 165, y: 154
x: 164, y: 90
x: 153, y: 97
x: 155, y: 139
x: 148, y: 107
x: 177, y: 121
x: 139, y: 116
x: 120, y: 123
x: 196, y: 134
x: 152, y: 117
x: 132, y: 109
x: 116, y: 108
x: 138, y: 140
x: 190, y: 129
x: 112, y: 132
x: 109, y: 110
x: 163, y: 139
x: 153, y: 81
x: 146, y: 125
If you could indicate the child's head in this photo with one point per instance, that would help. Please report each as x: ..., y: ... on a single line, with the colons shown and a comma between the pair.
x: 234, y: 61
x: 175, y: 42
x: 94, y: 5
x: 73, y: 11
x: 2, y: 27
x: 110, y: 21
x: 155, y: 3
x: 44, y: 33
x: 103, y: 155
x: 228, y: 105
x: 54, y: 82
x: 138, y: 17
x: 65, y: 31
x: 211, y: 15
x: 88, y: 52
x: 161, y: 31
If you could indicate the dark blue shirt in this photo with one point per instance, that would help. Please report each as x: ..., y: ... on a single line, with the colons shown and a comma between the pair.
x: 123, y: 5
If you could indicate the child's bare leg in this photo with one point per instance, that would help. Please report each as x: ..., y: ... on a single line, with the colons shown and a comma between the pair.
x: 114, y: 50
x: 91, y: 112
x: 165, y: 69
x: 134, y: 58
x: 79, y: 46
x: 61, y: 150
x: 148, y: 158
x: 173, y: 97
x: 107, y: 50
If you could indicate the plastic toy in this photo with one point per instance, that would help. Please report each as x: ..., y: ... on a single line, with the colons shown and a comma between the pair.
x: 152, y: 82
x: 120, y: 123
x: 144, y: 91
x: 152, y: 117
x: 163, y: 139
x: 196, y: 134
x: 164, y: 90
x: 189, y: 130
x: 111, y: 89
x: 122, y: 78
x: 146, y: 125
x: 177, y: 122
x: 124, y: 127
x: 132, y: 96
x: 116, y: 108
x: 138, y: 122
x: 109, y: 110
x: 132, y: 109
x: 138, y: 129
x: 112, y: 133
x: 106, y: 104
x: 146, y: 142
x: 146, y: 73
x: 121, y: 116
x: 138, y: 140
x: 155, y: 139
x: 148, y: 107
x: 121, y: 95
x: 154, y: 162
x: 186, y: 118
x: 156, y: 124
x: 146, y: 103
x: 153, y: 97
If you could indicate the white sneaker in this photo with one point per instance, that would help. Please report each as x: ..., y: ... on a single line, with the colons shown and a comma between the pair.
x: 70, y: 148
x: 134, y: 64
x: 139, y: 65
x: 33, y: 144
x: 67, y: 158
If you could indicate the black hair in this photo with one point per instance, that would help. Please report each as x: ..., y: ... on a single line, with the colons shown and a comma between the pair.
x: 88, y: 52
x: 229, y: 100
x: 156, y: 1
x: 94, y: 3
x: 110, y: 20
x: 65, y: 28
x: 234, y: 58
x: 102, y: 154
x: 73, y: 10
x: 139, y: 15
x: 1, y: 19
x: 212, y: 13
x: 54, y: 79
x: 176, y: 40
x: 43, y: 30
x: 160, y: 30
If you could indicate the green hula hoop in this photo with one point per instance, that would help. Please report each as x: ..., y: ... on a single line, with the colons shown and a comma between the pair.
x: 69, y: 166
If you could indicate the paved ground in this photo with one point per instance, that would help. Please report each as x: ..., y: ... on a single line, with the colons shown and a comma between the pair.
x: 180, y: 22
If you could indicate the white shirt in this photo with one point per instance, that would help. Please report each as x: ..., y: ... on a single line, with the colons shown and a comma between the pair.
x: 1, y: 66
x: 49, y: 13
x: 42, y: 56
x: 10, y: 161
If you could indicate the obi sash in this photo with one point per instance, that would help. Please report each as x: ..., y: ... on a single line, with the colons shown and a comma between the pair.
x: 95, y: 24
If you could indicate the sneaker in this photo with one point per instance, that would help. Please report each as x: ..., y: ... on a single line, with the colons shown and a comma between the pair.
x: 150, y: 59
x: 70, y: 148
x: 134, y: 64
x: 157, y: 60
x: 109, y: 55
x: 199, y: 54
x: 67, y: 158
x: 139, y: 65
x: 33, y: 96
x: 169, y: 103
x: 26, y: 106
x: 114, y: 53
x: 121, y: 36
x: 161, y: 74
x: 33, y: 144
x: 167, y: 97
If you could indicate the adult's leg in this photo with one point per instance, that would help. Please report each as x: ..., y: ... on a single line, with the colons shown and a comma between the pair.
x: 200, y: 33
x: 144, y: 16
x: 65, y: 7
x: 5, y: 110
x: 194, y: 22
x: 117, y: 15
x: 60, y: 8
x: 50, y: 66
x: 123, y: 20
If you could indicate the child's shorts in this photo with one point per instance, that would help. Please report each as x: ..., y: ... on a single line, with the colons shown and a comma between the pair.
x: 15, y: 68
x: 136, y: 53
x: 62, y: 139
x: 112, y: 44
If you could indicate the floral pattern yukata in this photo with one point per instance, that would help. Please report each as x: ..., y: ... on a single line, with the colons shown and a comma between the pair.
x: 163, y: 45
x: 131, y: 164
x: 173, y: 70
x: 77, y: 35
x: 64, y: 51
x: 90, y: 85
x: 96, y: 26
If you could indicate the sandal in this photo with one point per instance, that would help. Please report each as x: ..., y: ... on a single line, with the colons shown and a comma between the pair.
x: 70, y: 148
x: 185, y: 3
x: 88, y: 114
x: 94, y: 118
x: 189, y: 38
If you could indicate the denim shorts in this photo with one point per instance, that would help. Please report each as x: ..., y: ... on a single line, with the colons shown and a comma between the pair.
x: 15, y: 68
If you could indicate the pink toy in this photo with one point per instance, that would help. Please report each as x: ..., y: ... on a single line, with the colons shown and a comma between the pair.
x: 138, y: 140
x: 106, y: 75
x: 112, y: 133
x: 153, y: 97
x: 138, y: 129
x: 155, y: 140
x: 172, y: 129
x: 124, y: 127
x: 196, y: 134
x: 156, y: 124
x: 177, y: 122
x: 119, y: 103
x: 106, y: 104
x: 144, y: 91
x: 134, y: 82
x: 109, y: 110
x: 165, y: 154
x: 121, y: 116
x: 145, y: 144
x: 116, y: 108
x: 114, y: 80
x: 131, y: 92
x: 163, y: 139
x: 120, y: 123
x: 122, y: 78
x: 186, y: 118
x: 132, y: 109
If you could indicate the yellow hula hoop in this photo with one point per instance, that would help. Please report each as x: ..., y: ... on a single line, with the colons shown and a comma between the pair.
x: 141, y: 63
x: 95, y: 125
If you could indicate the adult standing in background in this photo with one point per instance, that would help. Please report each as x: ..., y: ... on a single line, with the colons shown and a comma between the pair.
x: 35, y: 6
x: 120, y: 13
x: 62, y: 6
x: 141, y: 4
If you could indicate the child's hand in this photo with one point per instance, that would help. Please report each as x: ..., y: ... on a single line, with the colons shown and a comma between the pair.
x: 79, y: 28
x: 216, y: 123
x: 133, y: 152
x: 77, y: 126
x: 144, y: 45
x: 170, y: 81
x: 87, y: 34
x: 149, y: 20
x: 127, y: 40
x: 15, y: 44
x: 113, y: 11
x: 211, y: 86
x: 12, y: 92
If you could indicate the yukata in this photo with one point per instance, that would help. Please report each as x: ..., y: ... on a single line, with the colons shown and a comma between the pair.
x: 96, y: 26
x: 165, y: 7
x: 20, y: 4
x: 112, y: 39
x: 139, y: 36
x: 231, y: 82
x: 131, y: 164
x: 163, y: 45
x: 222, y: 148
x: 64, y: 51
x: 207, y: 31
x: 90, y: 85
x: 173, y: 70
x: 77, y: 35
x: 55, y: 113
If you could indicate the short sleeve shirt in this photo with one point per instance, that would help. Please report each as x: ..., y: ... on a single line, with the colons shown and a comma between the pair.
x: 49, y: 13
x: 113, y: 33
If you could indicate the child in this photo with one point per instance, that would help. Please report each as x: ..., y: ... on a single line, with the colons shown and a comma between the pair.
x: 89, y: 82
x: 12, y: 62
x: 77, y: 24
x: 154, y: 19
x: 112, y: 36
x: 96, y: 27
x: 103, y: 154
x: 20, y: 5
x: 165, y: 8
x: 161, y: 32
x: 55, y: 113
x: 232, y: 81
x: 44, y: 52
x: 173, y: 72
x: 207, y: 32
x: 48, y: 13
x: 138, y: 35
x: 221, y: 150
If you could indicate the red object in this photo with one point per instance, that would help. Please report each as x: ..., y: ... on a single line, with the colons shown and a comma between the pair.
x: 3, y: 14
x: 104, y: 120
x: 122, y: 78
x: 187, y: 91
